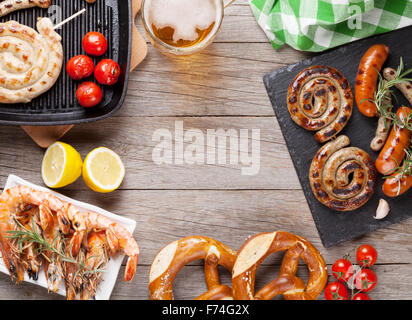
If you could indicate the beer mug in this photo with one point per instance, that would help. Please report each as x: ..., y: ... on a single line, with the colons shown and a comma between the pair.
x: 182, y: 27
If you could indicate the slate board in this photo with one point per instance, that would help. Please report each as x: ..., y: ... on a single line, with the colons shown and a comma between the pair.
x: 335, y: 227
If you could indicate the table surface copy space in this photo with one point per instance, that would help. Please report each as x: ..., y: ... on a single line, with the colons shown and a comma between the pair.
x: 221, y: 87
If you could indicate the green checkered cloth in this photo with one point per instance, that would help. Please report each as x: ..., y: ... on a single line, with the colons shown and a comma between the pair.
x: 317, y: 25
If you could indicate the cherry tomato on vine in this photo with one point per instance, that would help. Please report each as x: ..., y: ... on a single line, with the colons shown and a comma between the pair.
x: 95, y: 44
x: 342, y: 270
x: 366, y: 255
x: 361, y: 296
x: 107, y: 72
x: 89, y: 94
x: 336, y: 291
x: 80, y: 67
x: 366, y: 280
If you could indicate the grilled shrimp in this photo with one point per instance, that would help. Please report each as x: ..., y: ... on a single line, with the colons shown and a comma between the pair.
x: 117, y: 238
x: 31, y: 257
x: 10, y: 252
x: 97, y: 258
x: 85, y: 237
x: 53, y: 265
x: 14, y: 199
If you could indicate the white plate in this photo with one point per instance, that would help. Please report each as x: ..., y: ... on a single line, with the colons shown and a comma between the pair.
x: 109, y: 277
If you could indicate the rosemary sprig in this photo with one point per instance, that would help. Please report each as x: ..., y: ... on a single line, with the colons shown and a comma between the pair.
x: 25, y: 235
x: 383, y: 94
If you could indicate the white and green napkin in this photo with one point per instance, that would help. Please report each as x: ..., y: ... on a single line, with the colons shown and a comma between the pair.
x: 318, y: 25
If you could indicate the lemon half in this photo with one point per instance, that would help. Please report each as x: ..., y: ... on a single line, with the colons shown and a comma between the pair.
x: 61, y: 165
x: 103, y: 170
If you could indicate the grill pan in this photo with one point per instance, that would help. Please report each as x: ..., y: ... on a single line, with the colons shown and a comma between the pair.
x: 59, y: 105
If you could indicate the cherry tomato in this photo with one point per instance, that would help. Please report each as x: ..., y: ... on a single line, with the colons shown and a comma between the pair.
x: 80, y: 67
x: 361, y: 296
x: 366, y: 280
x: 89, y: 94
x: 342, y: 270
x: 107, y: 72
x: 366, y: 255
x: 95, y: 44
x: 336, y: 291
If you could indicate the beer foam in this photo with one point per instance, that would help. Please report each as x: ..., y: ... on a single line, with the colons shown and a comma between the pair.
x: 184, y: 16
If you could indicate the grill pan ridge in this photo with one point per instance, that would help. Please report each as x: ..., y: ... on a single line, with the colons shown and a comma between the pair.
x: 59, y: 105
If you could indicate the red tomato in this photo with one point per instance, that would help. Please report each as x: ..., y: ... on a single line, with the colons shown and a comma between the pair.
x: 366, y: 255
x: 80, y: 67
x: 95, y: 44
x: 336, y: 291
x: 107, y: 72
x: 342, y: 270
x: 366, y: 280
x: 361, y: 296
x: 89, y: 94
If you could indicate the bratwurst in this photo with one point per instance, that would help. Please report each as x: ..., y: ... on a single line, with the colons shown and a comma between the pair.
x: 320, y: 99
x: 30, y: 62
x: 9, y: 6
x: 342, y: 178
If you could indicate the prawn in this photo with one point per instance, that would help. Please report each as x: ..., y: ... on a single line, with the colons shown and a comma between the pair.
x: 97, y: 258
x: 118, y: 238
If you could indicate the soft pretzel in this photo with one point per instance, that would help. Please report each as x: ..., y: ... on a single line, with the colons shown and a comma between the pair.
x: 8, y: 6
x: 257, y: 248
x: 172, y: 258
x: 320, y: 99
x: 330, y: 173
x: 30, y: 62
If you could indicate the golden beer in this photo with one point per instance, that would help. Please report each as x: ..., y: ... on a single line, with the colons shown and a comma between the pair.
x: 182, y: 27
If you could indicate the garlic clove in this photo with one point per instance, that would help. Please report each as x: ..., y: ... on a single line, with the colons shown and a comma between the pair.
x: 383, y: 209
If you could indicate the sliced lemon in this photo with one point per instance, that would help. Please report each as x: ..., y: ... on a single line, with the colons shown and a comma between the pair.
x: 103, y: 170
x: 61, y: 165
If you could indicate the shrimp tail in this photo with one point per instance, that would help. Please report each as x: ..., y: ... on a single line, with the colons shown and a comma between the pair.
x: 131, y: 267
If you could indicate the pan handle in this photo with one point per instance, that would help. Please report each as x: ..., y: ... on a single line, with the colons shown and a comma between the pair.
x: 139, y: 46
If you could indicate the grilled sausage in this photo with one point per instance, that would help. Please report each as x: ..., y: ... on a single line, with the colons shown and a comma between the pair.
x: 330, y: 173
x: 383, y: 129
x: 30, y: 62
x: 396, y: 185
x: 393, y: 152
x: 320, y: 98
x: 405, y: 88
x: 9, y: 6
x: 382, y: 133
x: 367, y: 78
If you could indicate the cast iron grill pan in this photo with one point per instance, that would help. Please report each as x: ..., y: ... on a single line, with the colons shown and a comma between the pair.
x: 59, y: 105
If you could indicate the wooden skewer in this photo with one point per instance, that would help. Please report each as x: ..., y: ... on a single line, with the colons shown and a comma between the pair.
x: 69, y: 18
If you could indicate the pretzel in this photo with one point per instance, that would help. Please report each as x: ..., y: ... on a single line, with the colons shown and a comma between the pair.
x: 320, y: 98
x: 172, y: 258
x: 260, y: 246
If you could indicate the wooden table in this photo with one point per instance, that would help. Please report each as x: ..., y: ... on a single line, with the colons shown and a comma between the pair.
x: 220, y: 88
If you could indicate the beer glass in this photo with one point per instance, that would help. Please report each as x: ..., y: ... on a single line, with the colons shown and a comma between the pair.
x: 182, y: 27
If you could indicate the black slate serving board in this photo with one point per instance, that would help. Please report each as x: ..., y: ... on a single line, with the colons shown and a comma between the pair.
x: 335, y: 227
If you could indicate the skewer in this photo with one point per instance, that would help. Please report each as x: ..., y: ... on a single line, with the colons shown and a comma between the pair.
x: 69, y: 18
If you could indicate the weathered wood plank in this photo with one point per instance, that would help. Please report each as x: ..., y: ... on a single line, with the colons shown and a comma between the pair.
x: 225, y: 79
x: 131, y: 138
